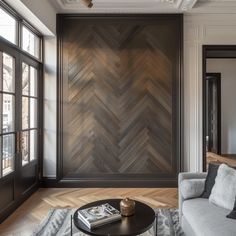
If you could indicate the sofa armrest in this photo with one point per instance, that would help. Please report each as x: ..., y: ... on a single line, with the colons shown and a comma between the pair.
x: 184, y: 176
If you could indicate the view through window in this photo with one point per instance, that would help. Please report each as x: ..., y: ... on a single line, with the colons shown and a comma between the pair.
x: 8, y: 26
x: 29, y: 113
x: 19, y: 79
x: 7, y: 107
x: 30, y: 42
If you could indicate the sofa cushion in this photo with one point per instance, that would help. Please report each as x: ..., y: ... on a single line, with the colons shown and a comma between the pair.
x: 207, y: 219
x: 224, y: 191
x: 210, y: 179
x: 232, y: 214
x: 191, y: 188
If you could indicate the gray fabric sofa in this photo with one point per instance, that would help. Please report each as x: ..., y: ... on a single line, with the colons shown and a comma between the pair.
x: 200, y: 218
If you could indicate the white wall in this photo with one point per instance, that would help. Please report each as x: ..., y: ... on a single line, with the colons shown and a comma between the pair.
x: 43, y: 10
x: 227, y: 68
x: 40, y: 13
x: 50, y: 85
x: 199, y: 29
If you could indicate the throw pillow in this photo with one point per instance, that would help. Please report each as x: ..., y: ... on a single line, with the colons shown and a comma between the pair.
x: 210, y: 179
x: 192, y: 188
x: 224, y: 191
x: 232, y: 214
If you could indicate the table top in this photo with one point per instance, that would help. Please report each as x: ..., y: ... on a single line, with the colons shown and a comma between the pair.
x: 139, y: 223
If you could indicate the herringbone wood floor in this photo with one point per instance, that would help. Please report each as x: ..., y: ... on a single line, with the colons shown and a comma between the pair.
x: 26, y: 217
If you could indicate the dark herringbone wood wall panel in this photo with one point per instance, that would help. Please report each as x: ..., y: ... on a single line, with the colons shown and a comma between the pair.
x: 121, y: 99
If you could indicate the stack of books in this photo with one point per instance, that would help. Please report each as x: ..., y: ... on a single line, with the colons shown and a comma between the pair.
x: 99, y: 215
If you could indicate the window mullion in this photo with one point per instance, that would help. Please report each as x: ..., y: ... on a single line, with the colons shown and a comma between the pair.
x: 19, y: 34
x: 1, y: 70
x: 29, y: 112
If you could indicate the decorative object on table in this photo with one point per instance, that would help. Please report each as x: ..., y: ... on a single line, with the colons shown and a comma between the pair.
x: 127, y: 207
x: 100, y: 215
x: 57, y: 223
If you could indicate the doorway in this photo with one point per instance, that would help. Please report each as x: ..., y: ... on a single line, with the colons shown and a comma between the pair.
x: 219, y: 112
x: 21, y: 109
x: 20, y: 94
x: 213, y: 112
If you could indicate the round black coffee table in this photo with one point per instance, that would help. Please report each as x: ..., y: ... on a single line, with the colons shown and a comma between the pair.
x: 139, y: 223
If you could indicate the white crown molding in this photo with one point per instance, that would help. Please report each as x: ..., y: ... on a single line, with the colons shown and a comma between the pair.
x: 214, y: 6
x: 124, y: 6
x: 186, y: 5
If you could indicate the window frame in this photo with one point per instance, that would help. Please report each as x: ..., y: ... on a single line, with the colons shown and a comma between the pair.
x: 33, y: 31
x: 20, y: 22
x: 7, y: 49
x: 17, y: 24
x: 24, y: 56
x: 38, y: 97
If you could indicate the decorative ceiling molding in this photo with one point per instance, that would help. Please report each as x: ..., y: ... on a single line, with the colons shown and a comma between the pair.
x: 88, y: 3
x: 214, y: 6
x: 124, y: 6
x: 187, y: 5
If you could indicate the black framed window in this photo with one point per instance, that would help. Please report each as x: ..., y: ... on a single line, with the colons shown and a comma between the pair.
x: 7, y: 108
x: 20, y: 92
x: 30, y: 42
x: 29, y: 113
x: 14, y: 29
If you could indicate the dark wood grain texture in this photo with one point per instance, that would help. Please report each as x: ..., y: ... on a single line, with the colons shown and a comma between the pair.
x: 120, y: 97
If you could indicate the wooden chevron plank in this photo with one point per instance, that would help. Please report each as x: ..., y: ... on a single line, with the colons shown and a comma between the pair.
x: 120, y: 97
x: 24, y: 220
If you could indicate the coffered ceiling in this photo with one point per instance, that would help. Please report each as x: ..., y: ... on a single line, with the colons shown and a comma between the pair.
x: 146, y: 6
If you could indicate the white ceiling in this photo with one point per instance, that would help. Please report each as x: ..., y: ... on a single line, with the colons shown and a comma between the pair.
x: 146, y: 6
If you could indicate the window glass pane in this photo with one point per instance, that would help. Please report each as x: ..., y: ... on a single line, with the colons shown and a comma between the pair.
x: 25, y: 147
x: 33, y: 145
x: 7, y: 26
x: 33, y: 113
x: 33, y: 81
x: 8, y: 151
x: 8, y: 73
x: 7, y: 113
x: 25, y: 79
x: 25, y: 113
x: 30, y: 42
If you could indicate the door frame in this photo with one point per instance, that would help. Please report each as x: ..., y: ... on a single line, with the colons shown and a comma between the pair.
x: 214, y: 52
x: 15, y: 196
